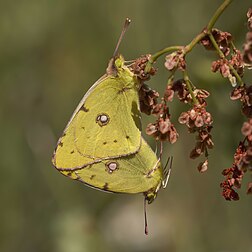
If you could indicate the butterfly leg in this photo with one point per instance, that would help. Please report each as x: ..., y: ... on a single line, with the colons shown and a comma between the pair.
x: 167, y: 172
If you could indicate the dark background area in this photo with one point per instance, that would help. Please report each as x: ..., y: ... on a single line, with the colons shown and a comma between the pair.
x: 50, y: 54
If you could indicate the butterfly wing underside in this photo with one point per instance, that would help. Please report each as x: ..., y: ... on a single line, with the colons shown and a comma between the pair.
x: 139, y: 172
x: 105, y: 125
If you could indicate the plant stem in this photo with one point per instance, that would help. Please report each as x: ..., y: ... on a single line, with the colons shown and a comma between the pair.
x: 196, y: 40
x: 189, y: 86
x: 209, y: 26
x: 165, y: 50
x: 155, y: 56
x: 217, y: 14
x: 221, y: 54
x: 193, y: 43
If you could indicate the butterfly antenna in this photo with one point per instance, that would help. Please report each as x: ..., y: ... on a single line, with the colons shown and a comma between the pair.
x: 124, y: 29
x: 145, y: 218
x: 167, y: 172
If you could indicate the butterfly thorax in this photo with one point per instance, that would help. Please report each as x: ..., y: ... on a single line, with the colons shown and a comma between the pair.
x: 102, y: 144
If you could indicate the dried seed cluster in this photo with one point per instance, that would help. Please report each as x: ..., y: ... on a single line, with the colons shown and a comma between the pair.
x: 138, y: 68
x: 183, y: 94
x: 175, y: 60
x: 231, y: 65
x: 232, y: 59
x: 197, y: 119
x: 243, y: 155
x: 162, y: 129
x: 247, y: 46
x: 148, y: 99
x: 223, y: 39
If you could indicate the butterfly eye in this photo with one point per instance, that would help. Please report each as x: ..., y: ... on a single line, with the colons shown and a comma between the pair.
x: 112, y: 166
x: 102, y: 119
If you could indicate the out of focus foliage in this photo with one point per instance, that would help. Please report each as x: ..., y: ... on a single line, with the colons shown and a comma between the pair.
x: 50, y: 54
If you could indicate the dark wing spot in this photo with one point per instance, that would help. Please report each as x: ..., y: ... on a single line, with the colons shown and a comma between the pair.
x: 69, y: 174
x: 105, y: 187
x: 60, y: 144
x: 83, y: 108
x: 83, y: 127
x: 72, y: 152
x: 123, y: 90
x: 115, y: 141
x: 127, y: 137
x: 92, y: 176
x: 104, y: 143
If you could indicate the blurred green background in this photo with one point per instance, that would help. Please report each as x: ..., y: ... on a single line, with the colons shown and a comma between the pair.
x: 51, y: 52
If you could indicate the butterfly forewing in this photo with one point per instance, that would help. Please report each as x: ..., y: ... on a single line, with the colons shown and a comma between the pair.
x: 105, y: 125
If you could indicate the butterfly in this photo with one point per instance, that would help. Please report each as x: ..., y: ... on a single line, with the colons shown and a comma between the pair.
x: 102, y: 145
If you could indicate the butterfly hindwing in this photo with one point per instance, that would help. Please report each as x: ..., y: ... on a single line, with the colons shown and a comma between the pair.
x: 139, y: 172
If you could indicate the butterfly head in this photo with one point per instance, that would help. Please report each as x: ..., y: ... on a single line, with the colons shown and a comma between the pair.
x: 119, y: 61
x: 115, y: 65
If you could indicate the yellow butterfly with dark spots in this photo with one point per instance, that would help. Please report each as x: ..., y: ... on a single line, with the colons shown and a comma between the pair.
x: 106, y: 129
x: 106, y: 124
x: 102, y: 145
